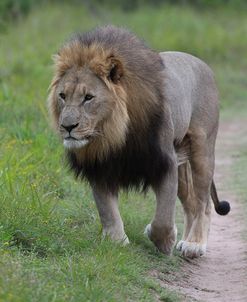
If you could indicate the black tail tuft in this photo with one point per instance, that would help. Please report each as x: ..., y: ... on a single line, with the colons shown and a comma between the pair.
x: 223, y: 208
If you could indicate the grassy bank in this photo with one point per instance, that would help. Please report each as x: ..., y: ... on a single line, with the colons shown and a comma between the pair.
x: 50, y: 244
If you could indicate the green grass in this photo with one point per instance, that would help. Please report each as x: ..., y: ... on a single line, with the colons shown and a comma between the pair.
x: 50, y: 235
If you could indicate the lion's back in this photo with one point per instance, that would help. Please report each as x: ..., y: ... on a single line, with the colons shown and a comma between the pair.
x: 190, y: 91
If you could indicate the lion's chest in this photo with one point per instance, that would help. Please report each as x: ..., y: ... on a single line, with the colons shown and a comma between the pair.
x: 131, y: 168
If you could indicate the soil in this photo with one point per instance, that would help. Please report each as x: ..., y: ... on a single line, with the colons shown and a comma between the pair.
x: 221, y: 275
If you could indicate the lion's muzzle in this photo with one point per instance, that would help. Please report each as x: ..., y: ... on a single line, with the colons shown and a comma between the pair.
x: 72, y: 143
x: 69, y: 127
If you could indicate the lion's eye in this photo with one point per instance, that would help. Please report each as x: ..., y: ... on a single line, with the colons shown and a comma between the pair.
x: 88, y: 97
x: 62, y: 95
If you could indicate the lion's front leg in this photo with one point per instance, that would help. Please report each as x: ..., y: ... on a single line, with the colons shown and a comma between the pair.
x: 162, y: 231
x: 107, y: 205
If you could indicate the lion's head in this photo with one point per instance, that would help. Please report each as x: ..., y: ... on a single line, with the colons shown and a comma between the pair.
x: 86, y: 109
x: 106, y: 100
x: 87, y: 104
x: 101, y: 88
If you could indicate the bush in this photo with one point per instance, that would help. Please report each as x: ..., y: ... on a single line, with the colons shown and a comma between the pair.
x: 14, y: 8
x: 134, y: 4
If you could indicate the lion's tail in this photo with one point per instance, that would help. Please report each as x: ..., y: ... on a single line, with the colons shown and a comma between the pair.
x: 221, y: 207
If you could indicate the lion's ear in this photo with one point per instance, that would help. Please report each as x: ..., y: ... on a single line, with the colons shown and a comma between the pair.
x: 115, y: 70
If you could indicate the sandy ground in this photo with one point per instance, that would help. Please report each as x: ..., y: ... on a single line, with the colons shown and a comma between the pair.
x: 221, y: 275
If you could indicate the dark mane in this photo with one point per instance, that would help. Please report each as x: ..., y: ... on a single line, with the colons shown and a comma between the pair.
x: 140, y: 162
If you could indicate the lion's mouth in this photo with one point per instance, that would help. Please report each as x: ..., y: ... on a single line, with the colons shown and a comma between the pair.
x: 74, y: 143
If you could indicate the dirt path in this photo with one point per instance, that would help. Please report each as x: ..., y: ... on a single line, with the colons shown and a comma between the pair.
x: 221, y: 275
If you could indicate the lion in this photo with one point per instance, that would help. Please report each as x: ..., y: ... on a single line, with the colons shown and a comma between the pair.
x: 132, y: 118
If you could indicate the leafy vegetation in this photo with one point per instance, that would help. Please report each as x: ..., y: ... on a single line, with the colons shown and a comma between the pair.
x: 50, y: 241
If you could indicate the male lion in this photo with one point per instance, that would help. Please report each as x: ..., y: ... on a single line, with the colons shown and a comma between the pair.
x: 130, y: 117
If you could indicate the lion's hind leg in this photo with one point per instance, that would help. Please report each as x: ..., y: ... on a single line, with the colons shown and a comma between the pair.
x: 187, y: 198
x: 202, y: 168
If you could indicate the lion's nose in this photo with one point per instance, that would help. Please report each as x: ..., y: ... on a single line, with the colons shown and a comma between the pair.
x: 69, y: 128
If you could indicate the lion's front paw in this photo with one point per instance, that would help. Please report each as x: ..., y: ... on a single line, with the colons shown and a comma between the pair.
x: 122, y: 238
x: 125, y: 240
x: 147, y: 230
x: 191, y: 249
x: 163, y: 238
x: 180, y: 245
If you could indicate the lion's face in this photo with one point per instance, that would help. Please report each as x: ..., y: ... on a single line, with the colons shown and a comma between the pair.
x: 84, y: 103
